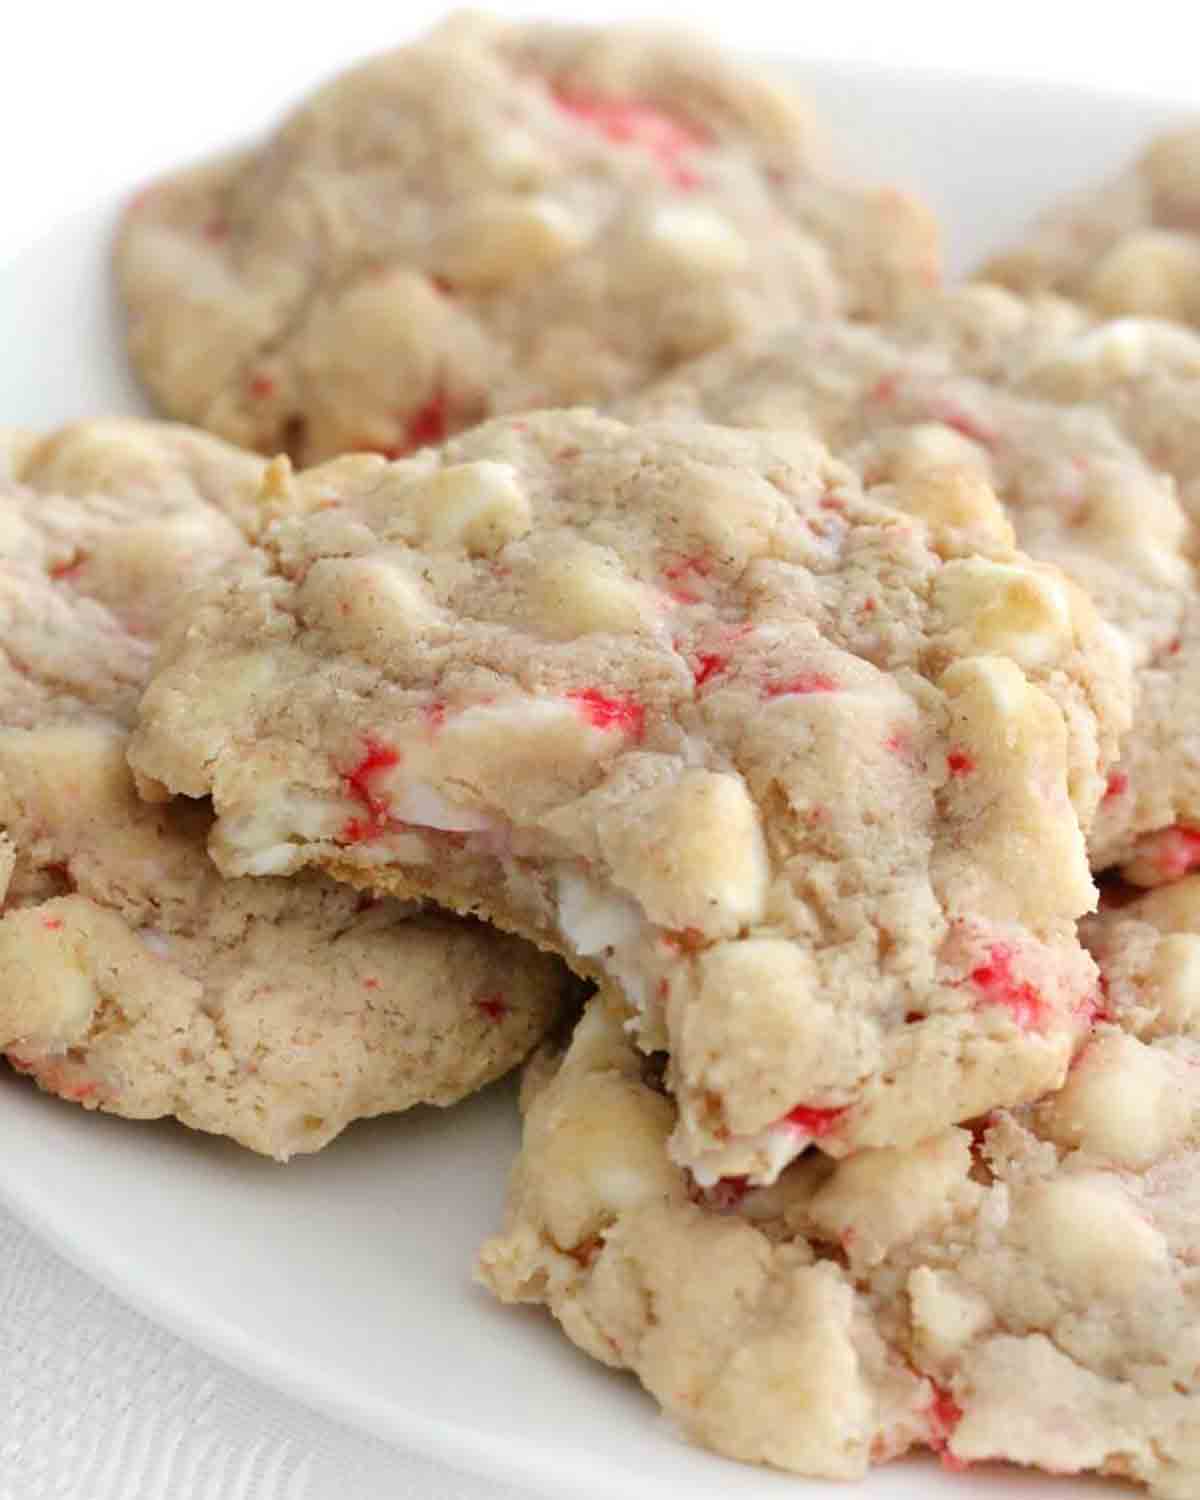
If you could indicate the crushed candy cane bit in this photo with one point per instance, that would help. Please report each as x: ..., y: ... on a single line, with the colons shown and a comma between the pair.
x: 626, y: 715
x: 1175, y: 851
x: 998, y: 984
x: 813, y: 1121
x: 944, y: 1416
x: 628, y: 122
x: 708, y: 664
x: 807, y: 682
x: 376, y: 758
x: 494, y: 1007
x: 428, y: 424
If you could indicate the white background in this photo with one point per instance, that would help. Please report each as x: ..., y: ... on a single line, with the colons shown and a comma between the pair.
x: 116, y: 88
x: 93, y: 98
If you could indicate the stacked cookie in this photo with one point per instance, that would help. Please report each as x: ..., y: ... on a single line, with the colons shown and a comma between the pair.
x: 792, y: 704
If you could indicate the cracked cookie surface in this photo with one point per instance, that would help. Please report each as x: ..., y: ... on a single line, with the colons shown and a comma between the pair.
x: 134, y: 979
x: 799, y: 774
x: 496, y: 218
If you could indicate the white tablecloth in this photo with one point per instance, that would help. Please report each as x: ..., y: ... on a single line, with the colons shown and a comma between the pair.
x: 97, y: 1403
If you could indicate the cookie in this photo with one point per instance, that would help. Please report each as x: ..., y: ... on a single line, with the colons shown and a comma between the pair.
x: 496, y: 218
x: 691, y: 708
x: 133, y: 979
x: 1130, y: 245
x: 1021, y: 1291
x: 963, y: 382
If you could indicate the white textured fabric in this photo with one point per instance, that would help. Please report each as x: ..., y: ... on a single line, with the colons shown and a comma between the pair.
x: 98, y: 1403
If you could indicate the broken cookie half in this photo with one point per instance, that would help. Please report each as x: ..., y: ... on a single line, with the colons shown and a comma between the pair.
x: 797, y: 776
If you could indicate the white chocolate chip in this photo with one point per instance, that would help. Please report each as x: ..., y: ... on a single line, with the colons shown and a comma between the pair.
x: 593, y: 921
x: 424, y: 806
x: 1020, y: 612
x: 1123, y: 1101
x: 694, y: 854
x: 265, y: 835
x: 954, y: 495
x: 693, y: 238
x: 1089, y: 1235
x: 946, y: 1315
x: 480, y: 506
x: 489, y: 752
x: 585, y: 590
x: 884, y: 1198
x: 1175, y: 981
x: 507, y: 239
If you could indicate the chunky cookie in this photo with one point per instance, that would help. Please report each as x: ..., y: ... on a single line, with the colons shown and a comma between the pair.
x: 134, y: 979
x: 1082, y: 483
x: 799, y: 775
x: 496, y: 218
x: 1023, y: 1290
x: 1131, y: 245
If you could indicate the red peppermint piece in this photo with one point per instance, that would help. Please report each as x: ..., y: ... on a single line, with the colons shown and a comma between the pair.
x: 626, y: 715
x: 686, y: 940
x: 629, y: 122
x: 376, y: 757
x: 1175, y: 851
x: 494, y: 1007
x: 944, y: 1416
x: 997, y: 983
x: 949, y: 414
x: 428, y: 424
x: 261, y: 386
x: 806, y: 682
x: 1118, y: 785
x: 701, y: 564
x: 960, y: 762
x: 708, y: 664
x: 813, y: 1121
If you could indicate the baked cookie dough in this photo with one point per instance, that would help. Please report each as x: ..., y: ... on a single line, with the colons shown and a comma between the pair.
x: 799, y: 775
x: 1021, y: 1290
x: 1130, y: 245
x: 964, y: 383
x: 501, y: 216
x: 133, y: 979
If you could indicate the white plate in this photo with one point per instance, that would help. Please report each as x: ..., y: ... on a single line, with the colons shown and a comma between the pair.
x: 344, y: 1278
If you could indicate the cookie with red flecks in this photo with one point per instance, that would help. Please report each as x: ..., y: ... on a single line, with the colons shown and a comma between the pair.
x: 133, y: 979
x: 976, y: 381
x: 1022, y: 1290
x: 1128, y: 245
x: 496, y: 218
x: 799, y: 775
